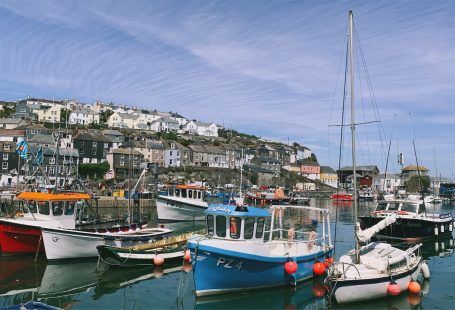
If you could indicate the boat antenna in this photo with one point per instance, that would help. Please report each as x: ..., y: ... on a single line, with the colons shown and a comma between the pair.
x: 354, y: 170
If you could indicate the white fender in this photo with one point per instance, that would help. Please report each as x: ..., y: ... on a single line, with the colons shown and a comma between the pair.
x: 425, y: 287
x: 425, y: 270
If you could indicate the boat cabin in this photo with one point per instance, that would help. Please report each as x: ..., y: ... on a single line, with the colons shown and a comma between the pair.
x: 51, y: 206
x: 401, y: 207
x: 187, y: 192
x: 236, y: 222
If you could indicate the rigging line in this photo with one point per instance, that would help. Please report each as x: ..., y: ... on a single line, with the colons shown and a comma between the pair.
x: 341, y: 144
x: 381, y: 129
x: 388, y: 151
x: 335, y: 90
x: 417, y: 161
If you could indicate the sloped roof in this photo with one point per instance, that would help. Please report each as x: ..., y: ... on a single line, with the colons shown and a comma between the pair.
x: 126, y: 151
x: 10, y: 120
x: 257, y: 168
x: 414, y: 168
x: 266, y: 159
x: 112, y: 132
x: 327, y: 169
x: 360, y: 168
x: 91, y: 136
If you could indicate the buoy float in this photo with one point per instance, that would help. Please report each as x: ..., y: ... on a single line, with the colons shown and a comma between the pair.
x: 290, y: 267
x: 187, y: 256
x: 393, y: 289
x: 414, y: 287
x: 187, y: 267
x: 158, y: 260
x: 328, y: 262
x: 318, y: 290
x: 414, y: 300
x: 425, y: 270
x: 318, y: 268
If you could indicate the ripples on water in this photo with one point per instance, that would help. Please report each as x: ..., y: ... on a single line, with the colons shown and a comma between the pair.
x: 84, y: 284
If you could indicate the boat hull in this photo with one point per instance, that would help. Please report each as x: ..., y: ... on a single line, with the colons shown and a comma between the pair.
x: 219, y: 271
x: 17, y: 238
x: 411, y: 228
x: 355, y: 290
x: 170, y: 210
x: 66, y: 244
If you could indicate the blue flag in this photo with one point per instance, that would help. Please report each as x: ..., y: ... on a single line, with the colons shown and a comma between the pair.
x: 39, y: 156
x: 22, y: 148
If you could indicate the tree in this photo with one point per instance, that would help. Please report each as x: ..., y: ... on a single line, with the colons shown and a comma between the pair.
x: 94, y: 171
x: 6, y: 111
x: 104, y: 116
x: 413, y: 184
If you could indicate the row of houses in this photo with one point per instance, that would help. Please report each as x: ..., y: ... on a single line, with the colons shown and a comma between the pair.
x: 50, y: 111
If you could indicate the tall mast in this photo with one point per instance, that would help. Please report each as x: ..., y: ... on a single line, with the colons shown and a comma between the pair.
x: 354, y: 169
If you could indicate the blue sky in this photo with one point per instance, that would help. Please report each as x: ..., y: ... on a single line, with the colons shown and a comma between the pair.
x: 269, y: 68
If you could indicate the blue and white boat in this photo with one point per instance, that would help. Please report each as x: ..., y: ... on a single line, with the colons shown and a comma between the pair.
x: 239, y: 253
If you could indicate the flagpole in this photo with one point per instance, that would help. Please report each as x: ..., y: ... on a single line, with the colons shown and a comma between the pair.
x: 18, y: 168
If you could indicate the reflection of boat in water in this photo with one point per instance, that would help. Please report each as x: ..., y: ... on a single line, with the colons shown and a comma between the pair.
x: 303, y: 295
x: 431, y: 247
x: 20, y: 274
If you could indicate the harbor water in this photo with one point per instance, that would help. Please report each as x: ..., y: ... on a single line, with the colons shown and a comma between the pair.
x: 89, y: 284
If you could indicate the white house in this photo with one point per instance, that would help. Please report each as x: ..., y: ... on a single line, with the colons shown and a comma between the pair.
x: 83, y: 116
x: 164, y: 124
x: 303, y: 153
x: 201, y: 128
x: 386, y: 183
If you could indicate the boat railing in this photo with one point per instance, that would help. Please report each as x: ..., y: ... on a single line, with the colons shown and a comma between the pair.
x: 309, y: 237
x: 345, y: 267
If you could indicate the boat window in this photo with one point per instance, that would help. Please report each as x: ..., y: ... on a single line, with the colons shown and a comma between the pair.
x: 234, y: 227
x: 248, y: 228
x: 171, y: 192
x: 260, y: 227
x: 30, y: 206
x: 177, y: 192
x: 43, y: 207
x: 210, y: 225
x: 221, y: 226
x: 199, y: 195
x: 69, y: 208
x: 394, y: 206
x: 381, y: 206
x: 422, y: 208
x: 183, y: 193
x: 190, y: 193
x: 409, y: 207
x: 57, y: 207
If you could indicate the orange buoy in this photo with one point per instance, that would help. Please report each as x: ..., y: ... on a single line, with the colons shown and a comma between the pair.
x: 290, y: 267
x: 187, y: 256
x: 414, y: 287
x: 187, y: 267
x: 318, y: 268
x: 318, y: 290
x: 414, y: 300
x: 393, y: 289
x: 158, y: 260
x: 328, y: 261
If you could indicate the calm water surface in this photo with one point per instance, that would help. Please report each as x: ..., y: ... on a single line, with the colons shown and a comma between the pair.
x: 88, y: 285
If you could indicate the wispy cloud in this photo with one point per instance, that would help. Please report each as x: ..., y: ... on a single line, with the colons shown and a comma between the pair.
x: 270, y: 68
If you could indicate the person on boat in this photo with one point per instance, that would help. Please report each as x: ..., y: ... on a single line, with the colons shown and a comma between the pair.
x: 291, y: 234
x: 233, y: 228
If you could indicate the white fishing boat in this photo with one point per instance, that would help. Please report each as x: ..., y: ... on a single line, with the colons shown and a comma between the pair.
x: 182, y: 203
x: 375, y: 269
x: 62, y: 243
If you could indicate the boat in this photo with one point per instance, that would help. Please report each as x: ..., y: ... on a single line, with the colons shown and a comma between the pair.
x: 170, y: 250
x: 22, y: 233
x: 62, y: 243
x: 341, y: 197
x: 366, y: 194
x: 182, y: 203
x: 238, y: 253
x: 374, y: 269
x: 432, y: 199
x: 267, y: 198
x: 413, y: 220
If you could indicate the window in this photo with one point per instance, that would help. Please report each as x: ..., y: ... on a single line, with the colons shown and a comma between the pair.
x: 210, y: 225
x: 260, y: 227
x: 177, y: 192
x: 5, y: 165
x: 178, y: 154
x: 51, y: 170
x: 7, y: 147
x: 94, y: 152
x: 106, y: 145
x: 248, y: 228
x: 122, y: 163
x: 30, y: 206
x: 43, y: 207
x: 220, y: 226
x: 94, y: 144
x: 199, y: 195
x: 57, y: 208
x: 190, y: 193
x: 170, y: 153
x: 52, y: 160
x: 5, y: 156
x: 234, y: 227
x: 183, y: 193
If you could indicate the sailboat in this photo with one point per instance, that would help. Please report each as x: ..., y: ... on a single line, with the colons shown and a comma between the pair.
x: 375, y: 269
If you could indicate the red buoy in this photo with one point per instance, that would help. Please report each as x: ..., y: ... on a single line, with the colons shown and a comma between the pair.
x: 187, y: 256
x: 158, y: 260
x: 318, y: 290
x: 328, y: 261
x: 187, y: 267
x: 393, y: 289
x: 414, y: 300
x: 290, y: 267
x: 318, y: 268
x: 414, y: 287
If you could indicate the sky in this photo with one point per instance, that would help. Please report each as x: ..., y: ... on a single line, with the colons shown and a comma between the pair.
x: 274, y: 69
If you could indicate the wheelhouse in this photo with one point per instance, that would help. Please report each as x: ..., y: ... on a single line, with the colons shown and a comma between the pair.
x: 236, y: 222
x: 400, y: 207
x: 187, y: 192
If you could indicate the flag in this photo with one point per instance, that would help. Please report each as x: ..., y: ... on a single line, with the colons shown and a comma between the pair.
x: 39, y: 156
x: 22, y: 148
